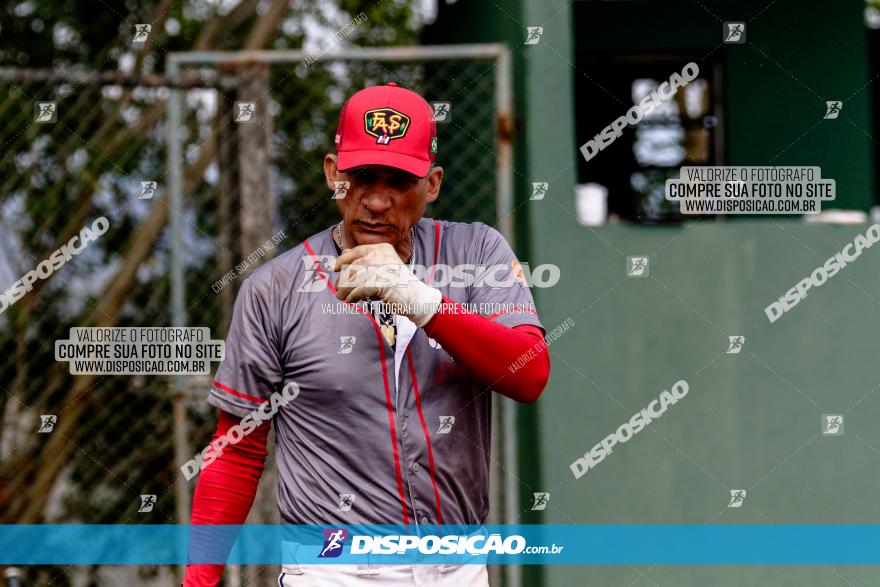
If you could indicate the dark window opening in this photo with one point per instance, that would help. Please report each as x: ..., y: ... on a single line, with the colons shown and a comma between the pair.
x: 684, y: 130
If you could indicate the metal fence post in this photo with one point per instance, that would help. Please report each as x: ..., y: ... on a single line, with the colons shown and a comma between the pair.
x: 227, y: 194
x: 178, y: 286
x: 257, y: 206
x: 504, y: 182
x: 253, y: 161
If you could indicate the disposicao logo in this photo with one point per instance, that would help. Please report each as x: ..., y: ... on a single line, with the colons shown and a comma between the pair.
x: 334, y: 540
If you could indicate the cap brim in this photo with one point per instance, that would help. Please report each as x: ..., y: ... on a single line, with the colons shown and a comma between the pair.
x: 349, y: 159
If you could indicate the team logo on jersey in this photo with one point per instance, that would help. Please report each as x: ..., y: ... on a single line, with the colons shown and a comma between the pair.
x: 385, y: 124
x: 334, y: 540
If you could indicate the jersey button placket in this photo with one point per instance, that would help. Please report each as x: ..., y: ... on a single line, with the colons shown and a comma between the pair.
x: 403, y: 421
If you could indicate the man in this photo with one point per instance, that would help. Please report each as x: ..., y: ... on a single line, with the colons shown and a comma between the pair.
x: 392, y: 421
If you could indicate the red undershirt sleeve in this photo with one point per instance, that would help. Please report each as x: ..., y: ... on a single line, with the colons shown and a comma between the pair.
x: 512, y: 361
x: 226, y: 489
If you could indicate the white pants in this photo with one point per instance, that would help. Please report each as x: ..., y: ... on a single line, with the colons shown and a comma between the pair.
x: 473, y: 575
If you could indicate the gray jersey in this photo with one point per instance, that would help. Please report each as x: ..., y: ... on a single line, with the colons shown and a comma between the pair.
x: 364, y: 442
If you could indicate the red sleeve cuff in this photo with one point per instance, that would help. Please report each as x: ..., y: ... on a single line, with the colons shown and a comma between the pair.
x: 512, y: 361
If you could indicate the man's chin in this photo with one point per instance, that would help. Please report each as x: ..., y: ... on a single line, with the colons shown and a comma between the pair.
x: 375, y: 237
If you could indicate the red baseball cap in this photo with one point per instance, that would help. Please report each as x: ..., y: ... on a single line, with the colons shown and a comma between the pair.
x: 387, y: 125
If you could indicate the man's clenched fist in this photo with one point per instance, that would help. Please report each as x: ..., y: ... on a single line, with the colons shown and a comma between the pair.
x: 376, y: 271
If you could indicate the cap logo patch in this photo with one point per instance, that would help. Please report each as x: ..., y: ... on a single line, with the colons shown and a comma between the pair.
x: 385, y: 124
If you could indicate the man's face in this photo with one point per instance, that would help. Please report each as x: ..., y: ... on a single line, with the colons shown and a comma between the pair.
x: 381, y: 203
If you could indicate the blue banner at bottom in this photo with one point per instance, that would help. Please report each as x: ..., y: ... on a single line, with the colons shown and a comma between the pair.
x: 489, y: 544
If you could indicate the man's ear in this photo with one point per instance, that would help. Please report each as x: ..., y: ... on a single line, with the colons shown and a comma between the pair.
x: 330, y: 171
x: 435, y: 178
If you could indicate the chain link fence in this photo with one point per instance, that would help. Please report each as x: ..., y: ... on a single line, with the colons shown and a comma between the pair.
x: 304, y: 133
x: 101, y: 151
x: 77, y: 147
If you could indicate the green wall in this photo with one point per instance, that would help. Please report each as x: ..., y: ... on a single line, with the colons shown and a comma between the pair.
x: 750, y: 421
